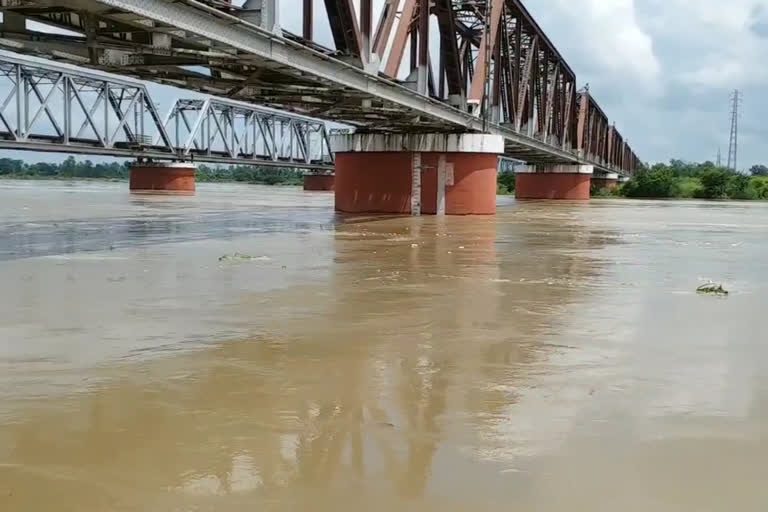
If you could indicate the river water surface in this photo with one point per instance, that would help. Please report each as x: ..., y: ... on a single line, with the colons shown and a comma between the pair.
x: 553, y: 357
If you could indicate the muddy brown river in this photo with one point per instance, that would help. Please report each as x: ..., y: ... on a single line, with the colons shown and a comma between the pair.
x: 553, y: 357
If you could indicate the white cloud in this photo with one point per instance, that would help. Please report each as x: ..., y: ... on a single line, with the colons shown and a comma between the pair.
x: 605, y: 32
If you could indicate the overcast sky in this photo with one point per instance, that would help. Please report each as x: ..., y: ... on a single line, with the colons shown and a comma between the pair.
x: 663, y: 70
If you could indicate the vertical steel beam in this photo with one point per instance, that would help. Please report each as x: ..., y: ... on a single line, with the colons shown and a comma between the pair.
x: 533, y: 79
x: 478, y: 81
x: 449, y: 52
x: 441, y: 74
x: 67, y: 109
x: 541, y: 95
x: 551, y: 100
x: 27, y: 80
x: 526, y: 81
x: 582, y: 121
x: 107, y: 139
x: 517, y: 83
x: 414, y: 49
x: 401, y: 35
x: 610, y: 145
x: 308, y: 20
x: 495, y: 114
x: 344, y: 28
x: 365, y: 30
x: 423, y: 58
x: 384, y: 27
x: 508, y: 99
x: 567, y: 116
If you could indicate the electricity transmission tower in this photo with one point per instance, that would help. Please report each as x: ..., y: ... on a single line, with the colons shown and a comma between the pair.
x: 733, y: 145
x: 719, y: 157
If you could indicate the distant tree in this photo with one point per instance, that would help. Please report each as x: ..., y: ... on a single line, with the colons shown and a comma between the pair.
x: 758, y: 170
x: 714, y: 184
x: 659, y: 182
x: 43, y: 169
x: 68, y: 168
x: 740, y: 187
x: 11, y: 166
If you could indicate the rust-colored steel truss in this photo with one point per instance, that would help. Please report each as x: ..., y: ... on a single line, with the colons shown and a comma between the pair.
x: 494, y: 61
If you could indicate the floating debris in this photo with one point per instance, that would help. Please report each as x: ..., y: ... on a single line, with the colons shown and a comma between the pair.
x: 711, y: 288
x: 242, y: 257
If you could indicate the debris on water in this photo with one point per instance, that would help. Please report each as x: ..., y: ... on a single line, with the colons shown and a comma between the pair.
x: 414, y: 245
x: 711, y: 288
x: 242, y: 257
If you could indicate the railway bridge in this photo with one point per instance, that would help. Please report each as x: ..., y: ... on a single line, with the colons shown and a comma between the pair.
x: 429, y: 126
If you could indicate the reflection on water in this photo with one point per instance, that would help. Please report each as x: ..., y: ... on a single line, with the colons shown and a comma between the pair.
x: 552, y: 357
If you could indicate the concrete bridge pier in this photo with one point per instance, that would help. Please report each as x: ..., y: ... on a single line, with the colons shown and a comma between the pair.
x: 433, y: 173
x: 553, y: 181
x: 176, y: 178
x: 319, y: 181
x: 607, y: 181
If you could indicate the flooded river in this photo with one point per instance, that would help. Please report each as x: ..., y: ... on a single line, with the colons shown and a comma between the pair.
x: 553, y: 357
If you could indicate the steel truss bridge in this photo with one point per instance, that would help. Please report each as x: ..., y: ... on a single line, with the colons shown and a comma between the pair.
x: 497, y: 71
x: 49, y: 107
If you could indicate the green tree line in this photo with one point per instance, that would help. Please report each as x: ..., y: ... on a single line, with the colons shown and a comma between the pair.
x: 705, y: 180
x: 72, y: 168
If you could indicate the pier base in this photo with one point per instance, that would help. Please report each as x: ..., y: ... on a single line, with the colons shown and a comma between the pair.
x: 606, y: 181
x: 162, y: 178
x: 319, y: 181
x: 570, y: 182
x: 417, y: 174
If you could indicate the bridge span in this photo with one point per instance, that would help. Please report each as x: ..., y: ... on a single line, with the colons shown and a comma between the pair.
x: 49, y: 107
x: 497, y: 74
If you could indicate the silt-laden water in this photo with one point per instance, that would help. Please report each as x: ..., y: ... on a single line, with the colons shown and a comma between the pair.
x: 553, y: 357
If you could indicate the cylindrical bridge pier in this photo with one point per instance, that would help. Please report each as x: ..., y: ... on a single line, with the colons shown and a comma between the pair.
x: 453, y: 174
x: 162, y: 178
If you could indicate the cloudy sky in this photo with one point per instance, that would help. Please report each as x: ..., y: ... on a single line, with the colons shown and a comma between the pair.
x: 663, y: 70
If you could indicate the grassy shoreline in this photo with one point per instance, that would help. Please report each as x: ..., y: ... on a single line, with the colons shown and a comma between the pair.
x: 712, y: 184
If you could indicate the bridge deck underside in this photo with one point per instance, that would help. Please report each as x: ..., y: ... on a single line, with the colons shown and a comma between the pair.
x: 189, y: 44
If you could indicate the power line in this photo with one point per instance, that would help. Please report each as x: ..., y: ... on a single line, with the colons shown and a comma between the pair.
x: 733, y: 145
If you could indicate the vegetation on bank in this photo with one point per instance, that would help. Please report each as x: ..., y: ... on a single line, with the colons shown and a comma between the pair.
x: 76, y: 169
x: 705, y: 180
x: 505, y: 183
